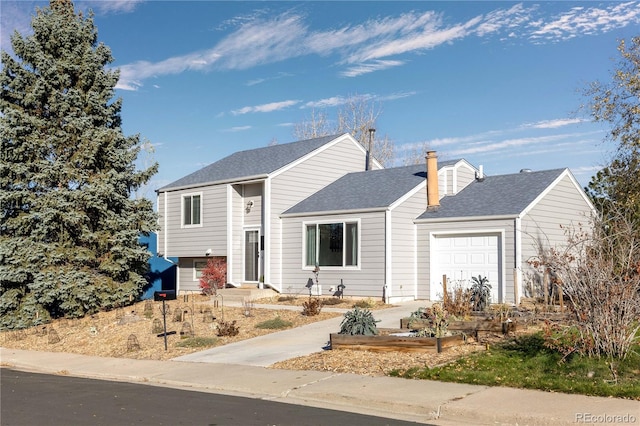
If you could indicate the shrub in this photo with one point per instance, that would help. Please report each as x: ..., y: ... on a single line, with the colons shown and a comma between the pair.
x: 332, y: 301
x: 229, y: 329
x: 312, y: 307
x: 599, y: 272
x: 196, y: 342
x: 214, y: 276
x: 480, y: 293
x: 359, y: 322
x: 276, y: 323
x: 457, y: 302
x: 367, y: 303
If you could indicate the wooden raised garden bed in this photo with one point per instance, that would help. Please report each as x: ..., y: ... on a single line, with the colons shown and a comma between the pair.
x: 471, y: 327
x: 385, y: 342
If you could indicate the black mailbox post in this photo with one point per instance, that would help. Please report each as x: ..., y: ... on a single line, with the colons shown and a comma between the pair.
x: 164, y: 295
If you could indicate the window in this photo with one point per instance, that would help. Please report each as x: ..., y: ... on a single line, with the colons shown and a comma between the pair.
x: 331, y: 244
x: 198, y: 266
x: 191, y: 210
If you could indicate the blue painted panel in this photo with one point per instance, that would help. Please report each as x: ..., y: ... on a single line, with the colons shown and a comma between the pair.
x: 162, y: 272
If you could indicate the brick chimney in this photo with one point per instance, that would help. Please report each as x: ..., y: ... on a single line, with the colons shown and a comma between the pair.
x: 433, y: 197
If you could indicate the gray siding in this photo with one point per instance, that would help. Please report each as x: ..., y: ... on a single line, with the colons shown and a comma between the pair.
x: 404, y: 282
x: 192, y: 242
x: 252, y: 193
x: 367, y: 281
x: 299, y: 182
x: 473, y: 227
x: 562, y: 207
x: 465, y: 174
x: 186, y: 274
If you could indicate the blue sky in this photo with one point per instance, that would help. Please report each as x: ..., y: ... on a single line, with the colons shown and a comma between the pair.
x: 496, y: 83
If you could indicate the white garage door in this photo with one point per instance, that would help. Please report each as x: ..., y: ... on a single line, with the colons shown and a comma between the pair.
x: 463, y: 257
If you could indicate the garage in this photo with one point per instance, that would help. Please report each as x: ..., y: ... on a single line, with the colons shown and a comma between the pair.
x: 461, y: 257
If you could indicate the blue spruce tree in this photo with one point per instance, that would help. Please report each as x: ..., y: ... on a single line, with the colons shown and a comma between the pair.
x: 69, y: 225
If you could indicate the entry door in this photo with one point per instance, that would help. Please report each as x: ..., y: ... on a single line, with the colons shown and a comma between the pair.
x: 251, y: 255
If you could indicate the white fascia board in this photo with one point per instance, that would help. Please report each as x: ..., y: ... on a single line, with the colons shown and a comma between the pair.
x: 465, y: 219
x: 334, y: 212
x: 409, y: 194
x: 244, y: 179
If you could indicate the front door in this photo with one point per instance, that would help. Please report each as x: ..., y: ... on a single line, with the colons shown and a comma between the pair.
x: 251, y: 255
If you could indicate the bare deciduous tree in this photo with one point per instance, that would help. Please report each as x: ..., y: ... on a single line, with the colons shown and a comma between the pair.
x: 356, y: 116
x: 599, y: 272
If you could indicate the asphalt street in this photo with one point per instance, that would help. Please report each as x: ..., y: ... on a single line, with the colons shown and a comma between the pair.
x: 37, y: 399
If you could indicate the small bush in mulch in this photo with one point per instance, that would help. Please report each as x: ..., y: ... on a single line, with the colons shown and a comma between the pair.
x: 196, y: 342
x: 276, y: 323
x: 228, y: 329
x: 312, y: 307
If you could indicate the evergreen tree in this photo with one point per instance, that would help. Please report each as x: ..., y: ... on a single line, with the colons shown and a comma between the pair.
x: 69, y: 227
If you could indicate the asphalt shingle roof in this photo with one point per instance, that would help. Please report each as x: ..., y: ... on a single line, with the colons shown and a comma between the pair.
x: 365, y: 190
x: 501, y: 195
x: 254, y: 162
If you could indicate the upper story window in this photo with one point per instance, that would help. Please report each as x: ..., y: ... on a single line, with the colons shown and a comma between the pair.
x: 331, y: 244
x: 192, y: 210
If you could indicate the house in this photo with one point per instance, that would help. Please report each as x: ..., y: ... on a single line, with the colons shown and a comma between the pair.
x: 309, y: 215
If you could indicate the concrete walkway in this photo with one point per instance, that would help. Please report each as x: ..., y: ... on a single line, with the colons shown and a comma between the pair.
x: 275, y: 347
x: 238, y: 369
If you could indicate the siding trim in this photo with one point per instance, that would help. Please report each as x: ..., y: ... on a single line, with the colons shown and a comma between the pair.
x: 266, y: 232
x: 388, y: 249
x: 415, y: 261
x: 518, y: 260
x: 230, y: 276
x: 166, y: 225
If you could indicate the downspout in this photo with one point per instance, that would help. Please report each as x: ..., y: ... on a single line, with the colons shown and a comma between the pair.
x: 387, y: 289
x: 517, y: 273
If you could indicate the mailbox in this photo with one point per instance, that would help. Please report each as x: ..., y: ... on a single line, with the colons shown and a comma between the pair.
x: 164, y: 295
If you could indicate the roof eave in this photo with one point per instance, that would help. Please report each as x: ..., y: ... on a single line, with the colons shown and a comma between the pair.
x: 244, y: 179
x: 466, y: 218
x: 334, y: 212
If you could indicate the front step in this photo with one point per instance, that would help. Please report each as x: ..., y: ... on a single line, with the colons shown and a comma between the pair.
x: 240, y: 294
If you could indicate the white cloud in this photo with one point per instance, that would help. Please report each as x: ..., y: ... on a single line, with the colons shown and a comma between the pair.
x: 237, y: 129
x: 554, y: 124
x: 270, y: 107
x: 585, y: 21
x: 112, y: 6
x: 373, y: 66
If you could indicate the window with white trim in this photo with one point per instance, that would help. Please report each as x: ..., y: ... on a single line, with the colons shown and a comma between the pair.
x: 192, y: 210
x: 198, y: 267
x: 331, y: 244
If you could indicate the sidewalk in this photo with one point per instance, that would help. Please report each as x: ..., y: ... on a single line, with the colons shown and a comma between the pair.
x: 239, y: 369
